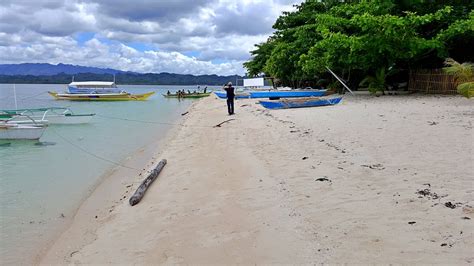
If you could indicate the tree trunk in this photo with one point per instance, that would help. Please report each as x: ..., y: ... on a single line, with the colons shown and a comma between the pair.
x: 140, y: 192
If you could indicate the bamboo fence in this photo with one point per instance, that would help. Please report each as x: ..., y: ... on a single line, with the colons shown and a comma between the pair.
x: 432, y: 81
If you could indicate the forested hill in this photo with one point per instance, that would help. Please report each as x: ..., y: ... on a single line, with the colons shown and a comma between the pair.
x: 48, y: 74
x: 40, y: 69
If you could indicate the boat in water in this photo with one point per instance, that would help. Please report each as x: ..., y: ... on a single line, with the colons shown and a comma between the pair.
x: 125, y: 96
x: 48, y: 115
x: 12, y: 131
x: 95, y: 87
x: 15, y: 131
x: 97, y: 91
x: 187, y: 95
x: 300, y: 102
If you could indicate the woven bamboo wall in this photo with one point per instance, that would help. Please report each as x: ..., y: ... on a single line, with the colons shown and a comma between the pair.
x: 431, y: 81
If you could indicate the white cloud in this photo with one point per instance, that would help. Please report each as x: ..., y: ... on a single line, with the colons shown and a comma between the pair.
x: 219, y: 33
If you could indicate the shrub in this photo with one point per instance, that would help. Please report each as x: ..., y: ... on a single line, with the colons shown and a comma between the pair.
x: 466, y: 89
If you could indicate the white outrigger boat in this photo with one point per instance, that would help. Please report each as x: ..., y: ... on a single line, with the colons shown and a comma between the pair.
x: 13, y: 131
x: 48, y: 115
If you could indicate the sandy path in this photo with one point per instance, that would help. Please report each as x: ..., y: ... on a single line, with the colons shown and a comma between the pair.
x: 336, y: 184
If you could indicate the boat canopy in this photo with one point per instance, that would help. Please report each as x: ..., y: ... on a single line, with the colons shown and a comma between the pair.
x: 93, y: 84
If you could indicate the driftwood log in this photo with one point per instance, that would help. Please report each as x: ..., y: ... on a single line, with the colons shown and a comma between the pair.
x: 140, y: 192
x: 220, y: 124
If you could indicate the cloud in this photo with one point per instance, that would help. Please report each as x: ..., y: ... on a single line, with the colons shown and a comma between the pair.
x: 145, y: 10
x: 245, y: 18
x: 119, y: 56
x: 180, y: 36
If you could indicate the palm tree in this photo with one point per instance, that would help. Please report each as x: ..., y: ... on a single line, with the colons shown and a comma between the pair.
x: 377, y: 82
x: 463, y: 72
x: 464, y: 75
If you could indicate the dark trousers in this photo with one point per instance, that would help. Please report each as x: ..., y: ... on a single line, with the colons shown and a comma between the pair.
x: 230, y: 105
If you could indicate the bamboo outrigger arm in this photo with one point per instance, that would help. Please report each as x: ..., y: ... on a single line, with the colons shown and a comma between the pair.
x: 340, y: 80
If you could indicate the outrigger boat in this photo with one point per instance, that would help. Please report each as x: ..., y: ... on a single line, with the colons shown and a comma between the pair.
x: 14, y: 131
x: 187, y: 95
x: 300, y: 102
x: 11, y: 131
x: 273, y: 94
x: 123, y: 96
x: 95, y: 87
x: 287, y: 94
x: 49, y: 115
x: 97, y: 91
x: 256, y: 88
x: 238, y: 95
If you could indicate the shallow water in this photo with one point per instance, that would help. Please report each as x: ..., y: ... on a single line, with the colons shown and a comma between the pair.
x: 41, y: 183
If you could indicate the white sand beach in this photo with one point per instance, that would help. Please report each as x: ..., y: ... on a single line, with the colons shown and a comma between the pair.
x: 371, y: 180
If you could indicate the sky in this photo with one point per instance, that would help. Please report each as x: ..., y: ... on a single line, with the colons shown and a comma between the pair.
x: 145, y: 36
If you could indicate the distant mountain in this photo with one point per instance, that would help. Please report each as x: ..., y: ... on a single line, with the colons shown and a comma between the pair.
x: 62, y: 74
x: 43, y: 69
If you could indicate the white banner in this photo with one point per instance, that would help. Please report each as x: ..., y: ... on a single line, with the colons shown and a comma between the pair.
x: 255, y: 82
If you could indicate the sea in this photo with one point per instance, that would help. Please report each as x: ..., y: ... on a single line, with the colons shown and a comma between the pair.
x: 42, y: 183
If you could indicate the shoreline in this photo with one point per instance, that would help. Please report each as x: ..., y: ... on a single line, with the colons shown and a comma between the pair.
x: 108, y: 183
x: 298, y: 185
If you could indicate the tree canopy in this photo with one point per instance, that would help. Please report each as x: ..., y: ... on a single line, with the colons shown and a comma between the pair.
x: 360, y: 38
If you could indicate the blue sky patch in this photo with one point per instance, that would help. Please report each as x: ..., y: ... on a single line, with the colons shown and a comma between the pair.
x: 83, y: 37
x: 191, y: 53
x: 142, y: 47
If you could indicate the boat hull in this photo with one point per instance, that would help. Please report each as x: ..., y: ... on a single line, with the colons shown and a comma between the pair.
x: 286, y: 94
x: 21, y: 132
x: 101, y: 97
x: 223, y: 95
x: 273, y: 94
x: 300, y: 103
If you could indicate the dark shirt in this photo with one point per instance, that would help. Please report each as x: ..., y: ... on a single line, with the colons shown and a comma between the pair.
x: 230, y: 92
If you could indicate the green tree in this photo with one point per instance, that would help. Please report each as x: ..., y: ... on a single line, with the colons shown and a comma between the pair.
x: 358, y: 38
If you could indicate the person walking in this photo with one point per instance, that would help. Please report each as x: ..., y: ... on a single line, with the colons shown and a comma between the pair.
x: 230, y: 98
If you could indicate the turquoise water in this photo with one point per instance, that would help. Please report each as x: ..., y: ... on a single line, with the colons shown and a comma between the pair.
x: 40, y: 183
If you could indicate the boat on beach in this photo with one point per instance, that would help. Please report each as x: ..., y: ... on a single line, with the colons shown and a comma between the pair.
x: 256, y: 88
x: 124, y: 96
x: 187, y: 95
x: 273, y: 94
x: 48, y: 115
x: 238, y: 95
x: 287, y: 94
x: 300, y: 102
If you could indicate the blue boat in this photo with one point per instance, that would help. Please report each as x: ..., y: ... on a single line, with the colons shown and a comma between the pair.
x: 273, y: 94
x: 300, y: 103
x: 238, y: 95
x: 287, y: 94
